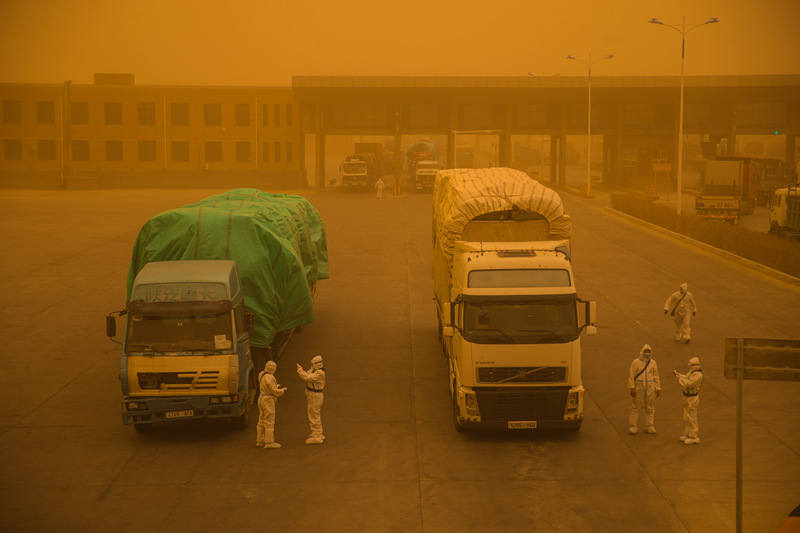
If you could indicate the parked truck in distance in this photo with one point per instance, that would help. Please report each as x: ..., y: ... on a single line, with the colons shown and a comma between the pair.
x: 728, y: 190
x: 509, y: 314
x: 784, y: 213
x: 215, y: 289
x: 423, y: 163
x: 361, y: 169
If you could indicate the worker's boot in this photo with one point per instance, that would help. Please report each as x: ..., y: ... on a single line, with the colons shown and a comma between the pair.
x: 269, y: 440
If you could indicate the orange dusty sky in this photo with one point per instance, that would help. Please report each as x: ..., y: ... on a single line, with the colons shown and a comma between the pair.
x: 249, y: 42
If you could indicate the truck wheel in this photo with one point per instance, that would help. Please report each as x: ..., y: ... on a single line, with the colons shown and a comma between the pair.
x: 240, y: 422
x: 143, y: 428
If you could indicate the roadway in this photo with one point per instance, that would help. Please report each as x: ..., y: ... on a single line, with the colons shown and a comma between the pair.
x: 392, y: 460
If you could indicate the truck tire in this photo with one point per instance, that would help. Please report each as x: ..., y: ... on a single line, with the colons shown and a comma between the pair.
x: 240, y: 422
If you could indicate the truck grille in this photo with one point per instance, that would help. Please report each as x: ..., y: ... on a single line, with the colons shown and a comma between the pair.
x: 178, y: 381
x: 522, y: 374
x: 504, y: 405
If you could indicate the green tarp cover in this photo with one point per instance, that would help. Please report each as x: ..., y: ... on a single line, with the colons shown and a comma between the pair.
x: 277, y: 240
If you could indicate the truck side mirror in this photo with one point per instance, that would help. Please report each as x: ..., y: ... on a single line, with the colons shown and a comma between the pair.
x: 111, y: 326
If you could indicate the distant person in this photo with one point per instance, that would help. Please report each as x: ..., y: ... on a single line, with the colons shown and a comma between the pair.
x: 691, y: 383
x: 681, y: 306
x: 270, y: 390
x: 315, y: 383
x: 379, y: 185
x: 644, y: 385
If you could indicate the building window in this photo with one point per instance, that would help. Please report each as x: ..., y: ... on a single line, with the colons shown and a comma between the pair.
x: 213, y: 152
x: 630, y: 158
x: 147, y: 114
x: 289, y: 146
x: 277, y: 152
x: 113, y: 113
x: 79, y: 112
x: 242, y: 114
x: 242, y: 152
x: 277, y: 115
x: 12, y: 149
x: 46, y: 149
x: 265, y: 115
x: 180, y: 114
x: 45, y: 112
x: 12, y: 112
x: 180, y: 151
x: 147, y: 151
x: 212, y: 114
x: 265, y: 151
x: 289, y: 115
x: 113, y: 150
x: 80, y: 150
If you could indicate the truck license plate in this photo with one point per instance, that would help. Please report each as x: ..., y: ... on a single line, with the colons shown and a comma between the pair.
x: 179, y: 414
x: 522, y: 425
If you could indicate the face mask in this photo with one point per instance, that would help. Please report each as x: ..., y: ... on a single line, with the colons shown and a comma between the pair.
x: 646, y: 355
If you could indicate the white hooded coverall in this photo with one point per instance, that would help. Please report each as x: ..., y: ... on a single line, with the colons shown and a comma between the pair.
x: 270, y: 390
x: 682, y: 303
x: 315, y: 382
x: 645, y: 385
x: 691, y: 384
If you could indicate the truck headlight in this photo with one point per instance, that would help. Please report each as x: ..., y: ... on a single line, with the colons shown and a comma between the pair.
x: 573, y: 401
x: 136, y: 406
x: 471, y: 404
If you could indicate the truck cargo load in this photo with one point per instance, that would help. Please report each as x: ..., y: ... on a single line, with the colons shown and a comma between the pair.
x: 277, y: 241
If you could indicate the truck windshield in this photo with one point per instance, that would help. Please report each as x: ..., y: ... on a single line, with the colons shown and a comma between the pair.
x: 180, y: 334
x: 514, y: 322
x: 354, y: 168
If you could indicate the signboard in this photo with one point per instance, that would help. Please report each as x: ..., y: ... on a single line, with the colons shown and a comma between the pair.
x: 765, y: 359
x: 662, y: 167
x: 183, y: 292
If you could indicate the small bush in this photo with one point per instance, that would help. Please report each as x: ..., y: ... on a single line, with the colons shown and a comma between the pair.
x: 775, y: 252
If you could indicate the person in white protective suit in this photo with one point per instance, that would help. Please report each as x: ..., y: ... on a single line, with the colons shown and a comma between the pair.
x: 315, y: 382
x: 680, y: 305
x: 379, y: 185
x: 270, y: 390
x: 691, y: 383
x: 645, y: 385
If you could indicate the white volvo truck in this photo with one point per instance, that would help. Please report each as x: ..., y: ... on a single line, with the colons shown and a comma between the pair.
x: 510, y: 318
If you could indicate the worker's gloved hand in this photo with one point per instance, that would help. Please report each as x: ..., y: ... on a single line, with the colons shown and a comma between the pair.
x: 665, y: 311
x: 633, y: 393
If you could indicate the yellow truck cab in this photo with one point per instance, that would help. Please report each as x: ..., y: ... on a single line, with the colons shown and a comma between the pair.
x: 186, y: 351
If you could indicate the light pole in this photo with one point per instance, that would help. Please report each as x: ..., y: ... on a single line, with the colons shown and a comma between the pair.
x: 683, y: 29
x: 589, y: 63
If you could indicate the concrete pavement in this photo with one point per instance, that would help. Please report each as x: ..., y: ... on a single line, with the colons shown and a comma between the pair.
x: 391, y: 461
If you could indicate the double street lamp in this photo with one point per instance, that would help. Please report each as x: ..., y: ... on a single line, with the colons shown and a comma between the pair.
x: 589, y: 63
x: 683, y: 29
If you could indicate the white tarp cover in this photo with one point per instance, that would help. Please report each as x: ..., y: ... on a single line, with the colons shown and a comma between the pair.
x: 461, y: 194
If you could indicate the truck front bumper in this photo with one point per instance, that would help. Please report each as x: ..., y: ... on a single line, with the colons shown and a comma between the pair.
x: 148, y: 410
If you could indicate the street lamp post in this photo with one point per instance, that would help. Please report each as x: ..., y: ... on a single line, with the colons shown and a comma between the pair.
x: 683, y: 30
x: 589, y: 63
